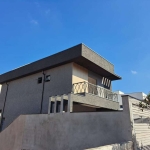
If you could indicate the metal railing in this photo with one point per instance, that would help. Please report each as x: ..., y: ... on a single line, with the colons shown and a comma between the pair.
x: 86, y: 87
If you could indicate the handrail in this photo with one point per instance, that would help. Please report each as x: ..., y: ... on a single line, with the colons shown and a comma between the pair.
x: 86, y: 87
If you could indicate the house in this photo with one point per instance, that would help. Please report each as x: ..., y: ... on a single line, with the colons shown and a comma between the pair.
x: 75, y: 80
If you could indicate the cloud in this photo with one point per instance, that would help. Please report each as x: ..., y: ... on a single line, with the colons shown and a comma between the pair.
x: 133, y: 72
x: 34, y: 22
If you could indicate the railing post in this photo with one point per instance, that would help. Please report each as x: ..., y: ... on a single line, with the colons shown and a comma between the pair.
x: 84, y: 87
x: 73, y: 88
x: 49, y: 105
x: 62, y: 104
x: 55, y: 105
x: 69, y: 102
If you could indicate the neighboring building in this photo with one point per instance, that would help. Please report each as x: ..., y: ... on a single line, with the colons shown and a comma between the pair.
x: 80, y: 73
x: 119, y: 93
x: 137, y: 95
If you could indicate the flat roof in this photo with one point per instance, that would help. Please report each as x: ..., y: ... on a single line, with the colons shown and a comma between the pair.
x: 79, y: 54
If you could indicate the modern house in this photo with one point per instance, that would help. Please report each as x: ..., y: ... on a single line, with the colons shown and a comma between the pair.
x: 74, y: 80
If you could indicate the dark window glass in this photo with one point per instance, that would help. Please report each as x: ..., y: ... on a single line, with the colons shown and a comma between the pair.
x: 121, y: 106
x: 39, y: 80
x: 47, y: 78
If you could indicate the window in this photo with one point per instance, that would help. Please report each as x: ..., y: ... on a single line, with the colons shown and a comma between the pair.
x: 106, y: 82
x: 39, y: 80
x: 47, y: 78
x: 121, y: 106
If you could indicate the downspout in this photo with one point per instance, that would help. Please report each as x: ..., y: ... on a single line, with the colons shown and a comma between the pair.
x: 1, y: 121
x: 42, y: 93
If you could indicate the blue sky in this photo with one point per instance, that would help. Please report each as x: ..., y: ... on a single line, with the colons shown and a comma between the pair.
x: 116, y: 29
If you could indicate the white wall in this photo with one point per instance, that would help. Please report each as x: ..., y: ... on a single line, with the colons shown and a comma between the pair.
x: 119, y: 93
x: 138, y: 95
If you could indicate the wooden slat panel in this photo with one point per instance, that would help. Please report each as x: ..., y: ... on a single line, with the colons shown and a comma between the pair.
x: 142, y: 130
x: 142, y: 134
x: 138, y: 111
x: 141, y: 113
x: 140, y: 124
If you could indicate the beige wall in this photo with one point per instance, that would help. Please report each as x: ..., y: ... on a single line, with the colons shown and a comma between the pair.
x: 79, y: 73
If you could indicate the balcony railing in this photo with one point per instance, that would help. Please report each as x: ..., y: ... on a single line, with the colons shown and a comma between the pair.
x: 86, y: 87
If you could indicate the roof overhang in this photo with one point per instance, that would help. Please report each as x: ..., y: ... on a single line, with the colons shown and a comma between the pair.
x: 79, y: 54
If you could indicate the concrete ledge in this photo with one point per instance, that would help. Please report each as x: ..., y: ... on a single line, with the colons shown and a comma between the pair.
x: 95, y: 100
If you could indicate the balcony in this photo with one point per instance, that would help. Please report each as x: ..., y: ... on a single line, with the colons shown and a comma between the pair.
x: 86, y: 87
x: 84, y: 94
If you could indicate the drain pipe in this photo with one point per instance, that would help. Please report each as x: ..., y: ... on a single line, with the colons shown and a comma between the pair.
x: 42, y: 92
x: 2, y: 113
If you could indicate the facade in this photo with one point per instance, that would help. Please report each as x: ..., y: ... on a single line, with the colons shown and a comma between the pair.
x: 78, y: 73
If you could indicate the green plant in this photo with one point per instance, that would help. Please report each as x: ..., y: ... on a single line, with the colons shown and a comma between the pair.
x: 145, y: 103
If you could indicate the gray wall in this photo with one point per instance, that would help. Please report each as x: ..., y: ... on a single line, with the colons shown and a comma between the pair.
x: 97, y: 59
x: 75, y: 131
x: 24, y: 94
x: 90, y: 99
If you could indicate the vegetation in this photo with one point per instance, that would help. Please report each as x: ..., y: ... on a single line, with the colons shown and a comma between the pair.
x: 145, y: 103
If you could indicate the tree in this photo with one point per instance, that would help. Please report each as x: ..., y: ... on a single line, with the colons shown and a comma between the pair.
x: 145, y: 103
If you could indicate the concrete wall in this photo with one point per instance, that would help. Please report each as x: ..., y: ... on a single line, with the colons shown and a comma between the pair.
x: 24, y: 95
x: 61, y: 83
x: 75, y: 131
x: 93, y: 100
x: 98, y: 60
x: 11, y: 139
x: 77, y: 107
